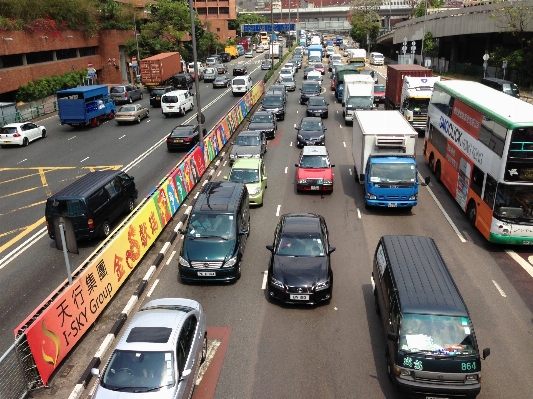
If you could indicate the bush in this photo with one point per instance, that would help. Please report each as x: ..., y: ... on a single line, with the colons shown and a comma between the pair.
x: 48, y: 86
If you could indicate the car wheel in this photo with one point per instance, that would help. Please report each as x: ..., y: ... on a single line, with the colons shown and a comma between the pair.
x: 25, y: 142
x: 147, y: 113
x: 437, y: 171
x: 138, y: 119
x: 130, y: 205
x: 472, y: 213
x: 106, y: 229
x: 130, y: 100
x: 43, y: 134
x: 204, y: 350
x: 326, y: 116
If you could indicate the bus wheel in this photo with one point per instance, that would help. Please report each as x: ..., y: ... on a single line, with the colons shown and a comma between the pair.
x: 437, y: 171
x: 472, y: 213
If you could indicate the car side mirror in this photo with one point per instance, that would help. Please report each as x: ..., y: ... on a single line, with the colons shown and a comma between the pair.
x: 185, y: 374
x: 181, y: 231
x: 96, y: 372
x: 392, y: 337
x: 486, y: 353
x: 296, y: 127
x: 270, y: 248
x: 325, y: 128
x: 332, y: 165
x: 243, y: 232
x: 427, y: 179
x: 331, y: 249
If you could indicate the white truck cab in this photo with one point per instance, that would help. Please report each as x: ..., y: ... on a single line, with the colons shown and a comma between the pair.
x: 416, y: 93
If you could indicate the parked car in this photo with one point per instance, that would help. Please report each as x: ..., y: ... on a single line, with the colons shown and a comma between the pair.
x: 314, y: 170
x: 156, y: 93
x: 311, y: 131
x: 252, y: 173
x: 274, y: 103
x: 159, y: 354
x: 299, y: 270
x: 288, y: 82
x: 183, y: 137
x: 249, y: 144
x: 221, y: 81
x: 221, y: 68
x: 317, y: 106
x: 239, y: 70
x: 264, y: 121
x: 125, y: 93
x: 21, y: 133
x: 131, y: 113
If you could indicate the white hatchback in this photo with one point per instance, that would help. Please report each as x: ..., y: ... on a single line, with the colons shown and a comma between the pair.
x: 21, y: 133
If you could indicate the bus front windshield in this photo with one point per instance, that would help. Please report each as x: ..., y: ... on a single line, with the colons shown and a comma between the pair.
x: 514, y: 201
x: 393, y: 173
x: 441, y: 335
x: 418, y: 105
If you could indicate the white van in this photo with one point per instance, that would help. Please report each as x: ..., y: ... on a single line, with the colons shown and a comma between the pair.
x: 190, y: 67
x: 241, y: 84
x: 376, y: 59
x: 177, y: 102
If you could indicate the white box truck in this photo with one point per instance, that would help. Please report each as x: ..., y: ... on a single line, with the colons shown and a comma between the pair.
x: 384, y: 149
x: 356, y: 78
x: 359, y: 96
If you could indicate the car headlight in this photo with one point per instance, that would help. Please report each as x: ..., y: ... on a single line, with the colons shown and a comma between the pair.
x: 328, y: 181
x: 472, y: 377
x: 183, y: 262
x: 277, y: 283
x: 231, y: 262
x: 321, y: 137
x: 322, y: 285
x: 232, y: 156
x: 256, y: 191
x: 370, y: 196
x: 257, y: 156
x: 300, y: 137
x: 302, y: 181
x: 413, y: 197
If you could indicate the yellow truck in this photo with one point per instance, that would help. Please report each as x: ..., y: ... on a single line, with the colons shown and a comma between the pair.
x: 232, y: 50
x: 357, y: 57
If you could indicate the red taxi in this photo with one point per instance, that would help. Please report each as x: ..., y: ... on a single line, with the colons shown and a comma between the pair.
x: 314, y: 170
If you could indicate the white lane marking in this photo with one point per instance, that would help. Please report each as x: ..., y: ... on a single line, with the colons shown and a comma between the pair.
x: 296, y: 111
x: 454, y: 227
x: 24, y: 160
x: 290, y: 144
x: 358, y: 213
x: 286, y: 169
x: 196, y: 195
x: 222, y: 154
x: 264, y: 285
x: 350, y: 170
x: 219, y: 172
x: 340, y: 126
x: 148, y: 121
x: 152, y: 288
x: 344, y: 144
x: 225, y: 162
x: 502, y: 293
x: 22, y: 247
x: 526, y: 266
x: 84, y: 159
x: 337, y: 111
x: 277, y: 210
x: 73, y: 137
x: 170, y: 257
x: 121, y: 137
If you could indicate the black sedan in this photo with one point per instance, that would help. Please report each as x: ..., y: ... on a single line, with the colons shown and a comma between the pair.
x: 300, y: 268
x: 239, y: 69
x: 221, y: 81
x: 183, y: 137
x: 264, y: 121
x: 317, y: 106
x: 310, y: 132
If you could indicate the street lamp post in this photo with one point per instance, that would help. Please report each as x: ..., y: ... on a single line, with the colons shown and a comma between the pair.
x: 271, y: 36
x: 199, y: 115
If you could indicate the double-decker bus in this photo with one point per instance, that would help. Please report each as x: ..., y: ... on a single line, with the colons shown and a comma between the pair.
x: 264, y: 39
x: 479, y: 143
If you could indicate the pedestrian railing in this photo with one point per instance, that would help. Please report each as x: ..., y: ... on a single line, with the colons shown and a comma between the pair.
x: 29, y: 113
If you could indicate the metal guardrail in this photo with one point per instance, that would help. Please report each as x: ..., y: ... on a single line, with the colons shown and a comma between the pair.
x: 15, y: 371
x: 29, y: 113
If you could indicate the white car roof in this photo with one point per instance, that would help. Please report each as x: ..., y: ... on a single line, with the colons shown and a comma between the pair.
x: 315, y: 150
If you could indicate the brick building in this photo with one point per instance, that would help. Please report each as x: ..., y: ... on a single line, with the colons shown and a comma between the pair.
x: 215, y: 15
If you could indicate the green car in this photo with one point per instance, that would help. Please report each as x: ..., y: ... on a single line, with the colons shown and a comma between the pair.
x: 250, y: 171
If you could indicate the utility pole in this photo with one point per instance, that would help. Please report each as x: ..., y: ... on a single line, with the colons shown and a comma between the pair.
x: 200, y: 117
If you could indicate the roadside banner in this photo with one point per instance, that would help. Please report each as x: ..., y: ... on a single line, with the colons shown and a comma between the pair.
x: 55, y: 327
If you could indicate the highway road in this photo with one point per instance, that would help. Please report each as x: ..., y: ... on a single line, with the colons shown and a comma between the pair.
x: 335, y: 350
x: 30, y: 265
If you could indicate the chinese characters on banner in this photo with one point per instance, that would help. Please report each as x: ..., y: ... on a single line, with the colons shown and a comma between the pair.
x: 69, y: 316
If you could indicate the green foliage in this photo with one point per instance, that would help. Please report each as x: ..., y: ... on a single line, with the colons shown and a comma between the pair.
x: 431, y: 47
x: 243, y: 19
x: 48, y: 86
x: 420, y: 8
x: 365, y: 21
x: 268, y: 75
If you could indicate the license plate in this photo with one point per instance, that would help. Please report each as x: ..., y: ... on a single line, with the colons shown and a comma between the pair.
x: 300, y: 297
x: 178, y: 141
x: 157, y: 97
x: 433, y: 397
x: 170, y: 107
x: 238, y: 88
x: 392, y: 205
x: 207, y: 274
x: 314, y: 187
x: 7, y: 142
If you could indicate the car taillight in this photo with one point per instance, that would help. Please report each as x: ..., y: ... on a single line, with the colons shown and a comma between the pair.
x: 90, y: 223
x: 131, y: 114
x: 187, y: 139
x: 125, y: 94
x: 169, y: 139
x: 47, y: 226
x: 16, y: 135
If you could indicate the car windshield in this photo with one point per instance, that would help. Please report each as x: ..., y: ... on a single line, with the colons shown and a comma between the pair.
x: 9, y: 130
x: 127, y: 108
x: 317, y: 101
x: 210, y: 225
x: 319, y: 65
x: 441, y: 335
x: 262, y: 118
x: 169, y: 99
x: 510, y: 88
x: 273, y: 100
x: 314, y: 162
x: 378, y: 56
x: 379, y: 88
x: 117, y: 90
x: 220, y: 79
x: 359, y: 102
x: 418, y: 104
x: 135, y: 371
x: 301, y: 244
x: 244, y: 175
x: 393, y: 173
x: 211, y: 60
x: 287, y: 79
x: 238, y: 67
x: 514, y: 201
x: 311, y: 125
x: 182, y: 132
x: 158, y: 92
x: 209, y: 70
x: 314, y: 77
x: 248, y: 141
x: 285, y: 71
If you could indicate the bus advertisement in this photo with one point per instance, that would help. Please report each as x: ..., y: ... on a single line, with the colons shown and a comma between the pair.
x: 479, y: 144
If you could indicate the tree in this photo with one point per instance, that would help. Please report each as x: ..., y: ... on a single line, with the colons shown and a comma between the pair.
x: 365, y: 20
x: 431, y: 46
x: 420, y: 8
x: 243, y: 19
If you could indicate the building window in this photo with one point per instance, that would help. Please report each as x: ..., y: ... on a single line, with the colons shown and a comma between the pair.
x: 201, y: 11
x: 10, y: 61
x: 224, y: 10
x: 39, y: 56
x: 218, y: 29
x: 86, y: 51
x: 66, y: 54
x: 212, y: 10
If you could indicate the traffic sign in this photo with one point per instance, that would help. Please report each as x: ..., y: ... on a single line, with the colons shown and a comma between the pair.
x: 89, y: 65
x: 91, y: 71
x: 133, y: 58
x: 504, y: 65
x: 267, y: 27
x: 486, y: 57
x: 404, y: 41
x: 91, y: 75
x: 413, y: 43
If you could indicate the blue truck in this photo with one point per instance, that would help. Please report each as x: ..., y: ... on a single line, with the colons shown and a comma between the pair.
x: 240, y: 50
x: 338, y: 40
x: 383, y: 150
x: 85, y: 105
x: 314, y: 54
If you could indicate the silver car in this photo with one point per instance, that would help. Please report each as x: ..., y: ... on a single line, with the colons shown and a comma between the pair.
x: 159, y: 354
x: 288, y: 82
x: 131, y: 113
x: 125, y: 93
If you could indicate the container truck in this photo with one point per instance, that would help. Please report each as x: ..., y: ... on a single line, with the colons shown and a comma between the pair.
x: 354, y: 78
x: 383, y: 149
x: 409, y: 88
x: 245, y: 43
x: 358, y: 96
x: 159, y: 69
x: 85, y: 105
x: 357, y: 57
x: 274, y: 50
x: 340, y: 72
